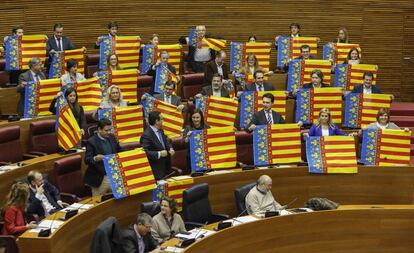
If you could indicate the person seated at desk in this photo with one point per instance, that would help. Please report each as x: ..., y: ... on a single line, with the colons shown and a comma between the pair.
x: 215, y: 89
x: 168, y: 96
x: 153, y: 68
x: 324, y: 127
x: 353, y: 57
x: 266, y: 115
x: 72, y: 76
x: 168, y: 222
x: 101, y: 144
x: 137, y: 237
x: 44, y: 197
x: 12, y: 213
x: 383, y: 122
x: 260, y: 198
x: 259, y: 83
x: 216, y: 66
x: 317, y: 81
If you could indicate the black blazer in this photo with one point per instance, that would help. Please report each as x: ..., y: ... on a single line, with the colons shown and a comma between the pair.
x: 360, y: 89
x: 79, y: 116
x: 25, y: 77
x: 52, y: 195
x: 96, y: 171
x: 150, y: 143
x: 310, y: 86
x: 252, y: 87
x: 208, y: 91
x: 51, y: 44
x: 130, y: 241
x: 211, y: 69
x: 259, y: 118
x: 175, y: 100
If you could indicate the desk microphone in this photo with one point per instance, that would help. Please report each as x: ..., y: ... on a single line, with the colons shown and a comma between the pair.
x: 291, y: 202
x: 187, y: 242
x: 70, y: 213
x: 46, y: 232
x: 169, y: 175
x: 242, y: 213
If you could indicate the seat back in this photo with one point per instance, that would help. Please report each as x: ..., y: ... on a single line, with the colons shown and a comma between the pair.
x: 144, y: 85
x: 107, y: 233
x: 91, y: 64
x: 9, y: 243
x: 42, y: 136
x: 11, y: 150
x: 152, y: 208
x: 240, y: 196
x: 244, y: 147
x: 68, y: 175
x: 196, y: 205
x: 180, y: 158
x: 191, y: 84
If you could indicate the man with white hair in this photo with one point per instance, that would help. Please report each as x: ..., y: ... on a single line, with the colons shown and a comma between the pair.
x: 260, y: 198
x: 200, y: 54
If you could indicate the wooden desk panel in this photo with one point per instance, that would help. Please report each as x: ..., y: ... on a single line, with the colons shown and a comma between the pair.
x: 367, y: 230
x: 8, y: 100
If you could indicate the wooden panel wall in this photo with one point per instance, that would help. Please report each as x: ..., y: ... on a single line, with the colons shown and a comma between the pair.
x: 384, y: 27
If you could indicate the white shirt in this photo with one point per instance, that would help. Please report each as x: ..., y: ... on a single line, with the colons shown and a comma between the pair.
x: 367, y: 91
x: 34, y: 76
x: 220, y: 69
x: 202, y: 55
x: 259, y: 87
x: 59, y: 42
x: 167, y: 99
x: 217, y: 93
x: 269, y: 114
x: 45, y: 202
x: 325, y: 132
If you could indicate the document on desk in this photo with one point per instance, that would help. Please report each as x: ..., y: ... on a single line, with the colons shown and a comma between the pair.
x: 47, y: 224
x: 77, y: 206
x: 173, y: 249
x: 242, y: 219
x: 6, y: 168
x: 195, y: 233
x: 217, y: 172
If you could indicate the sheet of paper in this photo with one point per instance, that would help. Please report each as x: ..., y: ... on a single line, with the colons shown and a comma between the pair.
x: 76, y: 206
x: 173, y: 249
x: 242, y: 219
x: 195, y: 233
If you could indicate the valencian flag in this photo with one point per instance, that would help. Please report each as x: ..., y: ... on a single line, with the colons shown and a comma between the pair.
x: 300, y: 72
x: 174, y: 188
x: 349, y: 75
x: 276, y: 144
x: 20, y: 49
x: 213, y: 148
x: 331, y: 154
x: 338, y: 52
x: 89, y: 93
x: 218, y: 111
x: 215, y: 44
x: 163, y: 74
x: 239, y: 51
x: 67, y: 128
x: 125, y: 47
x: 127, y: 122
x: 38, y: 96
x: 361, y: 109
x: 150, y: 55
x: 58, y: 62
x: 251, y: 102
x: 289, y: 48
x: 385, y: 147
x: 310, y: 101
x: 173, y: 119
x: 129, y: 173
x: 126, y: 80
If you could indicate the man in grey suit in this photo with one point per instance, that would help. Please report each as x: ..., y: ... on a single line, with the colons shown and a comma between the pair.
x: 259, y: 83
x: 215, y: 89
x: 33, y: 74
x: 58, y: 42
x: 169, y: 97
x: 266, y: 116
x: 137, y: 237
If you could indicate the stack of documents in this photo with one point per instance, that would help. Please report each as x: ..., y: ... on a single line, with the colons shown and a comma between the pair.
x: 47, y: 224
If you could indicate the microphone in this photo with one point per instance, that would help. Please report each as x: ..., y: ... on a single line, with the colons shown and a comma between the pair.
x: 291, y: 202
x: 46, y: 232
x: 241, y: 214
x: 187, y: 242
x: 168, y: 175
x: 70, y: 213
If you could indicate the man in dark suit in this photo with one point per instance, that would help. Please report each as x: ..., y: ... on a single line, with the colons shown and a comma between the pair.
x: 112, y: 31
x: 58, y: 42
x: 137, y: 237
x: 163, y: 59
x: 367, y: 87
x: 199, y: 55
x: 266, y: 115
x: 259, y: 83
x: 216, y: 66
x: 317, y: 80
x: 169, y: 97
x: 305, y: 55
x: 101, y: 144
x: 156, y: 146
x: 215, y: 89
x: 44, y: 197
x: 33, y: 74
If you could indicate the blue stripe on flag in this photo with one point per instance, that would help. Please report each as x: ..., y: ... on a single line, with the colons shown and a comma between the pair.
x: 341, y: 76
x: 283, y: 50
x: 197, y: 155
x: 30, y: 99
x: 246, y: 108
x: 351, y: 110
x: 147, y: 57
x: 313, y: 154
x: 55, y: 70
x: 105, y: 49
x: 260, y: 146
x: 12, y: 53
x: 294, y: 76
x: 329, y: 51
x: 303, y: 106
x: 161, y: 77
x: 369, y: 146
x: 236, y: 56
x: 114, y: 176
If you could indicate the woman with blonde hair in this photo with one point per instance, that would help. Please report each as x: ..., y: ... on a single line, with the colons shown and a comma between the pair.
x: 112, y: 62
x: 14, y: 208
x: 324, y: 126
x: 343, y: 36
x: 113, y: 98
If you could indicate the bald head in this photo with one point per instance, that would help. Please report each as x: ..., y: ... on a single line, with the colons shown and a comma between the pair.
x: 264, y: 183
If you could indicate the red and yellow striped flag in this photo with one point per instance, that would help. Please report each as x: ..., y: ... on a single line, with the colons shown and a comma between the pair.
x: 213, y: 148
x: 127, y: 81
x: 322, y: 65
x: 128, y: 122
x: 129, y: 173
x: 297, y: 42
x: 218, y: 111
x: 67, y: 128
x: 173, y: 119
x: 20, y: 49
x: 386, y: 147
x: 331, y: 154
x: 342, y: 51
x: 215, y: 44
x: 58, y: 62
x: 175, y: 187
x: 174, y: 51
x: 46, y: 93
x: 127, y: 48
x: 262, y: 52
x: 276, y: 144
x: 89, y: 93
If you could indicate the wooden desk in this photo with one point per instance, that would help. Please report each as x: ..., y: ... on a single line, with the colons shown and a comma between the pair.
x: 8, y: 100
x: 372, y: 185
x: 44, y: 164
x: 365, y: 230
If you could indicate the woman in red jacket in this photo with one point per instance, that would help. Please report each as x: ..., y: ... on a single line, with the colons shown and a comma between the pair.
x: 13, y: 209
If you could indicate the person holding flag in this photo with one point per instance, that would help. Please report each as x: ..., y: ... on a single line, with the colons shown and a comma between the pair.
x: 162, y: 65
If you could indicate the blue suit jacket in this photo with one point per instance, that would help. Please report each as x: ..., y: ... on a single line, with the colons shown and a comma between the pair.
x: 52, y: 195
x: 51, y: 44
x: 316, y: 130
x: 360, y: 89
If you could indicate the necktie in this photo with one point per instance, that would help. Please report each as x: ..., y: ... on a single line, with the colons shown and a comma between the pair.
x: 160, y: 138
x: 58, y: 44
x: 269, y: 118
x: 260, y: 87
x: 168, y: 99
x: 37, y: 78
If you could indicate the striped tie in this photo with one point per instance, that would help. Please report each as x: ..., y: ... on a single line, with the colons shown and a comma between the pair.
x: 269, y: 118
